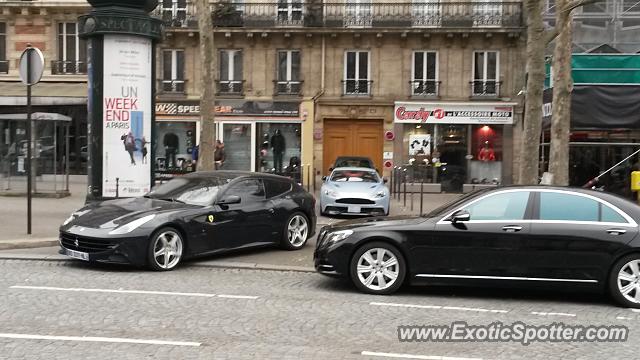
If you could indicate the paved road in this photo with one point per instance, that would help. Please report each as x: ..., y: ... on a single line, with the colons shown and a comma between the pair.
x: 197, y: 312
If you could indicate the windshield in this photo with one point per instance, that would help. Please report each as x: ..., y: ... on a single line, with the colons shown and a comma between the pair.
x: 353, y: 163
x: 355, y: 176
x: 189, y: 190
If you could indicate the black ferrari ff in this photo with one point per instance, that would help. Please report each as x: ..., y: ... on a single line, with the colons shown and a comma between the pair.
x: 531, y: 235
x: 194, y: 215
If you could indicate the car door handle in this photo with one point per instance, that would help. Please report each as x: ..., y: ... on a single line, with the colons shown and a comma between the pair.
x: 512, y: 228
x: 272, y: 211
x: 616, y: 231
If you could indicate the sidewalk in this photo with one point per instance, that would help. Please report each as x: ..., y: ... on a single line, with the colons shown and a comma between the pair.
x: 49, y: 213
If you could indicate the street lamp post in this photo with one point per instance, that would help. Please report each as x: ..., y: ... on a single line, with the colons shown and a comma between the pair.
x: 121, y: 38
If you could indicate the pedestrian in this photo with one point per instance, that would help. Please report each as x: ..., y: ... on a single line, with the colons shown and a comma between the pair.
x: 145, y: 151
x: 219, y: 155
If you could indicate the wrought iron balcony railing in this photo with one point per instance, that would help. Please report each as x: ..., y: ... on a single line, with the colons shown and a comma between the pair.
x: 230, y: 87
x: 288, y: 87
x: 351, y: 87
x: 172, y: 86
x: 424, y: 88
x: 63, y: 67
x: 485, y: 89
x: 315, y: 13
x: 4, y: 66
x: 177, y: 14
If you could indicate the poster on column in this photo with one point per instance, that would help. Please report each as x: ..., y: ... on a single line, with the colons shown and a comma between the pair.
x: 126, y: 111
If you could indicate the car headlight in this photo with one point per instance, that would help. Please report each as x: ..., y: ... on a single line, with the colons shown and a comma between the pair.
x: 74, y: 215
x: 330, y: 193
x: 380, y: 194
x: 338, y: 235
x: 129, y: 227
x: 69, y: 219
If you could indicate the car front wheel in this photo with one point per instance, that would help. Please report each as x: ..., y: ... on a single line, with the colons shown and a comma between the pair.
x: 378, y: 268
x: 165, y: 249
x: 624, y: 281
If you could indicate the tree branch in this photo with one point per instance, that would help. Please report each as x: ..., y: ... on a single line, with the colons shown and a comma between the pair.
x: 550, y: 35
x: 574, y: 4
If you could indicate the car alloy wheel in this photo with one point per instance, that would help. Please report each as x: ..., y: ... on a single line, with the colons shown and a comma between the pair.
x: 297, y: 230
x: 167, y: 249
x: 629, y: 281
x: 378, y: 268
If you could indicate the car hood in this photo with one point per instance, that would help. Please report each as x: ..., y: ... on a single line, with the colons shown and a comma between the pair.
x: 111, y: 213
x: 354, y: 187
x: 377, y: 222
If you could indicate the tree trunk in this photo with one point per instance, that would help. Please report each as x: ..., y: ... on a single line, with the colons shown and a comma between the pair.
x: 562, y: 86
x: 206, y: 161
x: 530, y: 149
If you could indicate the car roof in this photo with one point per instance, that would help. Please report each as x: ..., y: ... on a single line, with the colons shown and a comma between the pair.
x: 353, y: 157
x: 234, y: 174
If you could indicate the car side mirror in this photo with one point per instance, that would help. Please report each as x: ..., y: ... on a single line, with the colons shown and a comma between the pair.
x: 385, y: 180
x: 460, y: 216
x: 330, y: 169
x: 228, y: 200
x: 324, y: 178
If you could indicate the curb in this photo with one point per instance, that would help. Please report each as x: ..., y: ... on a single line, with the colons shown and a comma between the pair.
x: 27, y: 244
x: 216, y: 264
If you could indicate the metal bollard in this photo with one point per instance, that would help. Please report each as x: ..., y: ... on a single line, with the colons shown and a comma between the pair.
x: 421, y: 194
x: 391, y: 184
x: 117, y: 187
x: 404, y: 180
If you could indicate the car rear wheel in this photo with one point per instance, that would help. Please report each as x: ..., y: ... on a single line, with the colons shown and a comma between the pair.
x: 165, y: 249
x: 296, y: 232
x: 377, y: 268
x: 624, y: 281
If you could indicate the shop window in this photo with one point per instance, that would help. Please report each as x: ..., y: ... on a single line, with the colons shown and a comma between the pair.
x: 288, y: 73
x: 4, y: 64
x: 424, y: 81
x: 72, y: 52
x: 173, y: 71
x: 485, y: 74
x: 357, y: 73
x: 174, y: 146
x: 486, y: 146
x: 279, y: 149
x: 230, y: 81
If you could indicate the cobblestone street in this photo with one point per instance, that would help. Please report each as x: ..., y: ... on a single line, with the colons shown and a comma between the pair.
x: 198, y: 312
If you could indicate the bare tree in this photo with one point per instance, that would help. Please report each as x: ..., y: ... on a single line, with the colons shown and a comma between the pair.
x: 536, y: 42
x: 537, y: 39
x: 206, y: 159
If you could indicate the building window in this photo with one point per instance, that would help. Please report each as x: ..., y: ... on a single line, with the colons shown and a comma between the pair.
x: 174, y: 12
x: 288, y: 70
x: 424, y: 81
x: 4, y: 64
x: 230, y: 72
x: 290, y: 12
x: 358, y: 13
x: 173, y: 71
x: 72, y: 51
x: 357, y: 73
x: 486, y: 66
x: 426, y: 13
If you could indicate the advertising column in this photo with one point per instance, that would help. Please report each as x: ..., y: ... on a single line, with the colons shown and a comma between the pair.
x: 127, y: 104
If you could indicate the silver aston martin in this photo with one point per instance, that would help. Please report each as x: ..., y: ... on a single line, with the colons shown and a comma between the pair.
x: 354, y: 191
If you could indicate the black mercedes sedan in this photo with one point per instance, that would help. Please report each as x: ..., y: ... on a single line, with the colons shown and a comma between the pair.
x: 194, y: 215
x: 510, y: 236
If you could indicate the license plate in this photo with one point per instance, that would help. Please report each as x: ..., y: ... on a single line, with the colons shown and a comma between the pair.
x: 77, y: 254
x: 353, y: 209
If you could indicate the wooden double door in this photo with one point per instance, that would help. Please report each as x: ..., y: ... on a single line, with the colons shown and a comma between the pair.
x: 352, y: 138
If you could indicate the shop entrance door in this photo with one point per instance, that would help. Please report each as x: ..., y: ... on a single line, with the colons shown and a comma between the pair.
x: 352, y: 138
x: 237, y: 138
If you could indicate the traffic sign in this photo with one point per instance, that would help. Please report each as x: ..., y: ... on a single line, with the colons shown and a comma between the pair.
x: 31, y: 65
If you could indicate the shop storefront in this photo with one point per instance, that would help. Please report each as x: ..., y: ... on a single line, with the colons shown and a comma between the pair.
x: 460, y: 146
x: 257, y: 136
x: 177, y: 134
